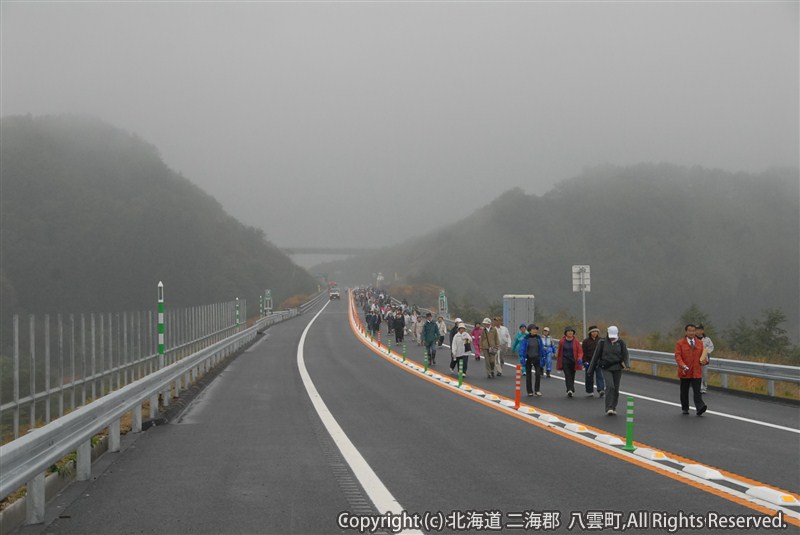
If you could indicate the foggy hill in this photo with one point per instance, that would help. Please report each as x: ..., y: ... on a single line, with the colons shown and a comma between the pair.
x: 658, y: 238
x: 92, y: 219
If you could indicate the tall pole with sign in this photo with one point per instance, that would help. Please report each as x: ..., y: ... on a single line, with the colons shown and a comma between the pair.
x: 581, y: 282
x: 443, y: 312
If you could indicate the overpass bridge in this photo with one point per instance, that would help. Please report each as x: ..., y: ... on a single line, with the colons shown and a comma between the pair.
x: 316, y: 428
x: 350, y: 251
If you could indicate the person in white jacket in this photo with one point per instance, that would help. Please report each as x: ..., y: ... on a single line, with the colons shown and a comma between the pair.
x: 709, y: 346
x: 458, y: 349
x: 440, y: 323
x: 505, y: 344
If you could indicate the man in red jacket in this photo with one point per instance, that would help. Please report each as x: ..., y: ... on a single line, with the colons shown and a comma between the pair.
x: 687, y: 354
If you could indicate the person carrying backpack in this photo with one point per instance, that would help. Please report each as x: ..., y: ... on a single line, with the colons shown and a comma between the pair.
x: 611, y: 356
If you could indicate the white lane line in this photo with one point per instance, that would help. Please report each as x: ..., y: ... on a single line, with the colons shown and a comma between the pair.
x: 373, y: 486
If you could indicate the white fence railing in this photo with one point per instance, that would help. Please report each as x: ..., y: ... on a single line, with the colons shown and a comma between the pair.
x: 59, y: 362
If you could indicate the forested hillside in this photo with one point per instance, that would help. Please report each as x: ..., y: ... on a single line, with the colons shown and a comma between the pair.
x: 658, y: 238
x: 92, y: 220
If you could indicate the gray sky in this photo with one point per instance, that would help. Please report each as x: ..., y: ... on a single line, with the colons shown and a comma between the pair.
x: 403, y: 116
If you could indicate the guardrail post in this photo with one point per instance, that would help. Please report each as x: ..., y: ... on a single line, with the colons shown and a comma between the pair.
x: 771, y: 387
x: 83, y: 463
x: 154, y: 406
x: 654, y: 369
x: 34, y: 505
x: 724, y: 379
x: 114, y: 436
x: 137, y: 419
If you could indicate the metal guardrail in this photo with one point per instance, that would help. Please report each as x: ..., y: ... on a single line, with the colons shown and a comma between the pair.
x: 771, y: 373
x: 24, y: 460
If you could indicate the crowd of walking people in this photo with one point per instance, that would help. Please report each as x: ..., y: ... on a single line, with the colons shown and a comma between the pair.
x: 601, y: 358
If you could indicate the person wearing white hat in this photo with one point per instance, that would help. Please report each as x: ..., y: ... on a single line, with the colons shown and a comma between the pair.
x: 611, y: 356
x: 459, y: 348
x: 454, y: 330
x: 490, y: 345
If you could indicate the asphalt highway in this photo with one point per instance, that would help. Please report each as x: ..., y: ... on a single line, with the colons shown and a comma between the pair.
x: 251, y: 454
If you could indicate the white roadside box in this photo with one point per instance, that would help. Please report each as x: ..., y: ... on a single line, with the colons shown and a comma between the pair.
x: 517, y: 309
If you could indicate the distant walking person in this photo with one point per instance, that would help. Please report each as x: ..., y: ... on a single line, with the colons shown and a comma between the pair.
x: 453, y: 333
x: 534, y: 358
x: 709, y: 345
x: 589, y: 345
x: 519, y: 340
x: 430, y: 334
x: 505, y: 343
x: 688, y: 351
x: 549, y: 350
x: 490, y: 345
x: 476, y: 340
x: 442, y: 330
x: 420, y: 325
x: 570, y: 358
x: 610, y: 357
x: 459, y: 349
x: 399, y: 326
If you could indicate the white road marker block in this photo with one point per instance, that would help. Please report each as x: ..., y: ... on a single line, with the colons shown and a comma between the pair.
x: 479, y: 393
x: 528, y: 410
x: 651, y: 454
x: 507, y: 403
x: 549, y: 418
x: 773, y: 496
x: 702, y: 471
x: 492, y: 397
x: 577, y: 428
x: 610, y: 440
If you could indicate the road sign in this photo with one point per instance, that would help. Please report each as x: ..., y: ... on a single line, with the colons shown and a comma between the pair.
x: 581, y: 282
x: 581, y: 279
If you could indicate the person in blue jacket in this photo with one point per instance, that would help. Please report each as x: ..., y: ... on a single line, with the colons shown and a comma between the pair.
x: 549, y: 350
x: 521, y: 336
